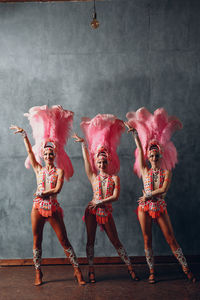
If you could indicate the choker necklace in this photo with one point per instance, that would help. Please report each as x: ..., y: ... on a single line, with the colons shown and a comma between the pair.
x: 155, y: 175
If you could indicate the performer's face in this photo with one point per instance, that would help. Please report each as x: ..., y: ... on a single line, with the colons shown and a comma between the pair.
x: 154, y: 157
x: 48, y: 156
x: 102, y: 163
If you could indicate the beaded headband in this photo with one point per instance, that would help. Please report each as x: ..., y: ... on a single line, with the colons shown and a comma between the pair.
x: 154, y: 146
x: 49, y: 144
x: 102, y: 151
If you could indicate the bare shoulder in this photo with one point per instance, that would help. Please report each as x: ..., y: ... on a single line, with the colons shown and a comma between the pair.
x: 93, y: 178
x: 116, y: 178
x: 145, y: 171
x: 167, y: 173
x: 60, y: 172
x: 37, y: 169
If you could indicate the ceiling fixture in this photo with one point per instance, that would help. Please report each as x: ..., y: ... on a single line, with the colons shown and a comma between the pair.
x: 95, y: 23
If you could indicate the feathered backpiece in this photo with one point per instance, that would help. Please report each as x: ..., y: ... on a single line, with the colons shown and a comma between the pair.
x: 155, y: 128
x: 51, y: 124
x: 103, y: 133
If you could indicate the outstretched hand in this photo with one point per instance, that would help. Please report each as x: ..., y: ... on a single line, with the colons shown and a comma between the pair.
x: 129, y: 127
x: 77, y: 138
x: 18, y: 129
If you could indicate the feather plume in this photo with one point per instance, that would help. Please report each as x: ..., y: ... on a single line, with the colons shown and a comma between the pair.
x: 158, y: 126
x: 54, y: 124
x: 103, y: 130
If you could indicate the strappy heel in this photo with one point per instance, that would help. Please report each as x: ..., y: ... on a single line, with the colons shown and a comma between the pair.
x: 91, y: 276
x: 38, y: 277
x: 79, y: 277
x: 133, y: 276
x: 190, y: 276
x: 151, y: 278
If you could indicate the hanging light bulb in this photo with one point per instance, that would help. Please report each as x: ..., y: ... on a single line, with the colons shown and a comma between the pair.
x: 95, y: 23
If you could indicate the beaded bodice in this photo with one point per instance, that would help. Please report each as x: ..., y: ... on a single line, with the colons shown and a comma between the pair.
x: 149, y: 180
x: 97, y: 187
x: 47, y: 178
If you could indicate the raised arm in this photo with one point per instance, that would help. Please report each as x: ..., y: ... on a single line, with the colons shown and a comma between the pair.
x: 88, y: 168
x: 142, y: 163
x: 36, y: 166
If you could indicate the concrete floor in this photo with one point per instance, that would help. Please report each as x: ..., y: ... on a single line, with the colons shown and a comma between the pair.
x: 113, y: 282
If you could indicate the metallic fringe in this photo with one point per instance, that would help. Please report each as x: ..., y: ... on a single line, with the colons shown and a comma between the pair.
x: 149, y: 258
x: 72, y: 257
x: 37, y: 254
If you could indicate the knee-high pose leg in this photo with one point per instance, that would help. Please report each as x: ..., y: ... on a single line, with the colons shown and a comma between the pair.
x: 37, y: 228
x: 91, y: 226
x: 112, y: 234
x: 167, y: 230
x: 58, y: 225
x: 146, y: 227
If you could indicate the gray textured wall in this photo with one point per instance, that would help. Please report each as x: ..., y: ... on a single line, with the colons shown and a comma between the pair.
x: 145, y: 53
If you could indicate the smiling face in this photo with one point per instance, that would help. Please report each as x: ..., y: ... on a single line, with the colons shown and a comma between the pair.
x: 154, y: 157
x: 102, y: 163
x: 48, y: 156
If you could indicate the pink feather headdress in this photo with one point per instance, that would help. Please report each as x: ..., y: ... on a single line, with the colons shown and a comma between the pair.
x: 103, y: 134
x: 51, y: 124
x: 155, y: 128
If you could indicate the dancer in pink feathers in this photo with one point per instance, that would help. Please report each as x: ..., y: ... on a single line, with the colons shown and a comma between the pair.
x: 152, y: 133
x: 101, y: 165
x: 51, y: 128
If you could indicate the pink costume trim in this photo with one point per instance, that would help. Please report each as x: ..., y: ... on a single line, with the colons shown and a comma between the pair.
x: 47, y: 206
x: 156, y: 205
x: 102, y: 213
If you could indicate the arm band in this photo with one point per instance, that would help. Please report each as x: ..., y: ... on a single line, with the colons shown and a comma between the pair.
x: 24, y: 134
x: 38, y: 194
x: 167, y: 179
x: 148, y: 194
x: 84, y: 146
x: 98, y: 201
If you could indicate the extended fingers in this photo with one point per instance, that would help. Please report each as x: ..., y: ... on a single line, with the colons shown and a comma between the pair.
x: 14, y: 127
x: 129, y: 127
x: 74, y: 135
x: 141, y: 200
x: 77, y: 138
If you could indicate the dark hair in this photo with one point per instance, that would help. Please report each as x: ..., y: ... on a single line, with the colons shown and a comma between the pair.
x: 102, y: 153
x: 50, y: 148
x: 154, y: 147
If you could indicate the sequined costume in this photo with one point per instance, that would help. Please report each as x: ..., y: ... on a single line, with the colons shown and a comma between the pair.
x: 46, y: 206
x: 102, y: 213
x: 156, y: 205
